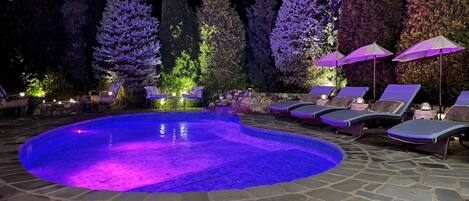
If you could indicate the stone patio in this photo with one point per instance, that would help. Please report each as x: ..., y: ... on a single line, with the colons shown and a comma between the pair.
x: 374, y: 168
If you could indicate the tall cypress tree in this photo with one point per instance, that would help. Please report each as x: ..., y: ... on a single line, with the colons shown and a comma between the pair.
x: 179, y: 32
x: 222, y: 46
x: 128, y: 47
x: 260, y: 65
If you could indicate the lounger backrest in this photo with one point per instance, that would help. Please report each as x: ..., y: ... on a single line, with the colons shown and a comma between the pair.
x: 463, y: 98
x: 152, y: 91
x: 400, y: 92
x: 3, y: 94
x: 319, y: 90
x: 197, y: 91
x: 353, y: 92
x: 115, y: 87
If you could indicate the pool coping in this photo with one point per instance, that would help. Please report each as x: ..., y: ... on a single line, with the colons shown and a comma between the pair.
x: 356, y: 160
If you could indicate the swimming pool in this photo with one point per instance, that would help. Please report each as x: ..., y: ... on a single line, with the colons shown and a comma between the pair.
x: 173, y: 152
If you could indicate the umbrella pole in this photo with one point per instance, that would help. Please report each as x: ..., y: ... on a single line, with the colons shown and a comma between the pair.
x: 374, y: 78
x: 336, y: 75
x: 440, y: 83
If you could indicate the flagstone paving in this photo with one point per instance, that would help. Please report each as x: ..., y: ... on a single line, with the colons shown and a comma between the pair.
x: 374, y: 168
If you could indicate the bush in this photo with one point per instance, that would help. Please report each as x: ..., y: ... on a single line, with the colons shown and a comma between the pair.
x: 363, y: 22
x: 427, y: 19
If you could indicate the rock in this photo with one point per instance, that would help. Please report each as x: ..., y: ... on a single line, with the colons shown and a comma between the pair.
x: 37, y: 112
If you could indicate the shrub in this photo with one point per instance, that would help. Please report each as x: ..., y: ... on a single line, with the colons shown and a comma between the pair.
x: 363, y: 22
x: 430, y: 18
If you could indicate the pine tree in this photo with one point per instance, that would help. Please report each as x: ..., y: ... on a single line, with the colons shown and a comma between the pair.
x: 128, y: 45
x: 299, y: 25
x: 260, y: 65
x: 74, y: 14
x: 179, y: 32
x: 222, y: 46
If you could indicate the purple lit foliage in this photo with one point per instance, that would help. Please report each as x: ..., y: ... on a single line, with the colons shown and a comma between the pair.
x: 260, y: 65
x: 128, y: 47
x: 300, y: 25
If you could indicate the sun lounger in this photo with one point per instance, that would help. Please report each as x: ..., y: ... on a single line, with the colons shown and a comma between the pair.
x: 284, y: 107
x: 343, y: 101
x: 106, y: 97
x: 353, y: 122
x: 13, y: 101
x: 434, y: 135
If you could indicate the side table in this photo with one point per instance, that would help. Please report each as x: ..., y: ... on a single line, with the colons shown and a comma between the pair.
x: 359, y: 107
x: 322, y: 102
x: 425, y: 114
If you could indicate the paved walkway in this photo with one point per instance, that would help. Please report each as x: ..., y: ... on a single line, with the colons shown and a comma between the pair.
x: 374, y: 168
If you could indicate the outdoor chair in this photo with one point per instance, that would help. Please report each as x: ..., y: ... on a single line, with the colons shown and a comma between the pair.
x: 434, y: 135
x: 153, y: 93
x: 13, y: 102
x: 283, y: 108
x: 106, y: 97
x: 391, y: 108
x: 343, y: 101
x: 196, y: 93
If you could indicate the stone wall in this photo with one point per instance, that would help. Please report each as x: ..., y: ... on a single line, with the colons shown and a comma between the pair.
x: 249, y: 102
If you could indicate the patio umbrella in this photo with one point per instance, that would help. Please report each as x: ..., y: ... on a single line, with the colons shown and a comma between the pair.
x: 436, y: 46
x: 331, y: 60
x: 368, y: 52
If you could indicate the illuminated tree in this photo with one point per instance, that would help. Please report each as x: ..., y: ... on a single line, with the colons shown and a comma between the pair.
x: 223, y: 45
x: 128, y: 47
x: 299, y: 26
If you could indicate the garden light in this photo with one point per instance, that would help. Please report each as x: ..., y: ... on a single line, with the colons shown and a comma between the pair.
x: 22, y: 94
x: 323, y: 96
x: 360, y: 100
x: 425, y: 106
x: 109, y: 93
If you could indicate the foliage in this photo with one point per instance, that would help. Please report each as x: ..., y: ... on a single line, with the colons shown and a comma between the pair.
x: 428, y: 19
x: 182, y: 77
x: 74, y: 20
x: 363, y: 22
x: 179, y: 32
x: 50, y: 85
x: 127, y: 44
x: 299, y: 24
x: 319, y: 75
x: 260, y: 66
x: 224, y: 44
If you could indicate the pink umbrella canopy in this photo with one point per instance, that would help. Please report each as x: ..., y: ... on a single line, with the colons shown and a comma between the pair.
x: 329, y: 60
x: 437, y: 46
x: 429, y: 48
x: 369, y: 52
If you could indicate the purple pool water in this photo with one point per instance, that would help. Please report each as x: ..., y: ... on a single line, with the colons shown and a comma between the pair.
x: 173, y: 152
